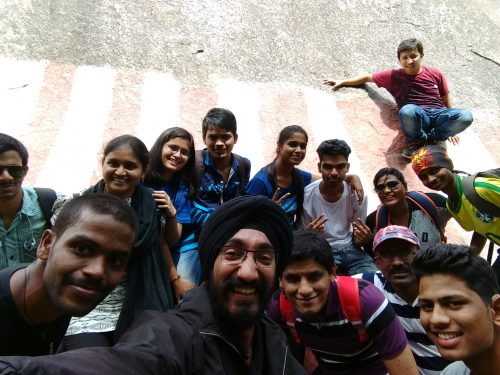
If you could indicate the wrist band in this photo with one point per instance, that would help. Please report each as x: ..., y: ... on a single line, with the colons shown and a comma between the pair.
x: 175, y: 278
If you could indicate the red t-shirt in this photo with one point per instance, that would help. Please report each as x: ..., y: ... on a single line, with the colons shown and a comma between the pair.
x: 425, y: 89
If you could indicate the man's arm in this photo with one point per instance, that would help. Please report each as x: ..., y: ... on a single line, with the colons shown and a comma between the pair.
x: 447, y: 100
x: 402, y: 364
x: 355, y: 81
x: 477, y: 243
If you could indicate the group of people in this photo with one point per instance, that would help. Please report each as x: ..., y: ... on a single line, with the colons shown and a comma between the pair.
x: 177, y: 261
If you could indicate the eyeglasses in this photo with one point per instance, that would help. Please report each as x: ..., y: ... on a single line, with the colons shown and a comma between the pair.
x: 391, y: 185
x: 403, y: 254
x: 16, y: 171
x: 175, y: 148
x: 236, y: 256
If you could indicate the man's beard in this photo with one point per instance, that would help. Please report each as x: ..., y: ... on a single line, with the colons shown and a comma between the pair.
x: 245, y: 315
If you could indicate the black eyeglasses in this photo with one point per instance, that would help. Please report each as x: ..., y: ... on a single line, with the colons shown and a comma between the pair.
x: 391, y: 185
x: 235, y: 256
x: 16, y: 171
x: 174, y: 148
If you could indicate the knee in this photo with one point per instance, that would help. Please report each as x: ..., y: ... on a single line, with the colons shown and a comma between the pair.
x: 408, y: 110
x: 465, y: 117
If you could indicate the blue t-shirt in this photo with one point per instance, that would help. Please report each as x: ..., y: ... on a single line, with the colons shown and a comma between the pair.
x: 260, y: 184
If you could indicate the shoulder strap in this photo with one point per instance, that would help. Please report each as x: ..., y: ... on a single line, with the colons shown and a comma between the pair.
x: 473, y: 197
x: 428, y: 207
x: 241, y: 169
x: 199, y: 161
x: 287, y: 315
x: 348, y: 291
x: 381, y: 217
x: 46, y: 199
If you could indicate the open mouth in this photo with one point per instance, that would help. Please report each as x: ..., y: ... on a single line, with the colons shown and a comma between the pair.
x: 245, y: 291
x: 447, y: 339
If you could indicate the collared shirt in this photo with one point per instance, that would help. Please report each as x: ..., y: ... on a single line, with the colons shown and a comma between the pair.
x: 426, y: 354
x: 19, y: 243
x: 213, y: 192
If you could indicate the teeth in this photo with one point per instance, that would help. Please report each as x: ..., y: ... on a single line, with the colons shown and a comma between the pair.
x: 245, y: 290
x: 447, y: 336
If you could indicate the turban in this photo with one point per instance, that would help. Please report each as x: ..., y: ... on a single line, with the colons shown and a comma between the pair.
x: 255, y: 212
x: 430, y: 156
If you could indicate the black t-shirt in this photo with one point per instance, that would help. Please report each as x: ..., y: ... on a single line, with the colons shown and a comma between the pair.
x: 18, y: 337
x: 419, y: 222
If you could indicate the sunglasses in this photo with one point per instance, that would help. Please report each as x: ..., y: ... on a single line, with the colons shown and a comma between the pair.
x: 391, y: 185
x: 16, y: 171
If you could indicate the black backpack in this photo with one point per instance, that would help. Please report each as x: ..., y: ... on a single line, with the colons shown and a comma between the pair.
x: 46, y: 199
x: 470, y: 193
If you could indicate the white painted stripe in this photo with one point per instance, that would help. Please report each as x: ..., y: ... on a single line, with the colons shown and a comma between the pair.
x: 20, y: 83
x: 242, y: 98
x: 159, y: 106
x: 75, y: 155
x: 327, y: 123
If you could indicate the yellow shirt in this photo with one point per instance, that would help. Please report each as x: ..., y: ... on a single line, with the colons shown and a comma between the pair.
x: 469, y: 217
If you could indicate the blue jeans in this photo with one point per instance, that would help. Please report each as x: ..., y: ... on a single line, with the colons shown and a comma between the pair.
x: 351, y: 260
x: 188, y: 265
x: 432, y: 124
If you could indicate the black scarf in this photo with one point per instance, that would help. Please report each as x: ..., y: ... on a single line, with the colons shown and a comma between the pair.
x: 148, y: 285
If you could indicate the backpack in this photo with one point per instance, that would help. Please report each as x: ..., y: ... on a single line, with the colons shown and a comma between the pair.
x: 200, y: 166
x: 46, y: 199
x: 473, y: 197
x: 348, y: 291
x: 422, y: 201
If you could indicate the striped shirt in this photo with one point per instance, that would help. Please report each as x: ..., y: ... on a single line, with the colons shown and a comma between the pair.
x: 427, y: 357
x: 335, y: 342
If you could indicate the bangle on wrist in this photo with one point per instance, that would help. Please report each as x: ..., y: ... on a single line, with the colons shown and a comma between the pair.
x: 175, y: 278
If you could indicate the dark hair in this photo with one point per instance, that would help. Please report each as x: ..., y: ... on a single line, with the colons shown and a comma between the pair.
x: 8, y: 143
x: 138, y: 148
x: 219, y: 118
x: 460, y: 262
x: 310, y: 245
x: 333, y: 147
x: 98, y: 203
x: 410, y: 44
x: 388, y: 171
x: 156, y: 167
x: 270, y: 169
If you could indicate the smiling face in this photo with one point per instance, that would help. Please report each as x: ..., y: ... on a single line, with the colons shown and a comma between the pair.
x: 242, y: 291
x: 293, y: 150
x: 437, y: 178
x: 175, y: 154
x: 219, y: 143
x: 306, y: 284
x: 122, y: 171
x: 390, y: 190
x: 85, y: 262
x: 411, y: 61
x: 10, y: 186
x: 455, y: 318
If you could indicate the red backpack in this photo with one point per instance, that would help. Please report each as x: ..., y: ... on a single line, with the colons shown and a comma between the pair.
x: 348, y: 291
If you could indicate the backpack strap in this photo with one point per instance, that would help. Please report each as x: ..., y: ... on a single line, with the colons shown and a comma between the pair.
x: 348, y: 291
x: 428, y: 207
x: 241, y: 169
x: 288, y: 316
x: 381, y: 217
x: 199, y: 162
x: 473, y: 197
x: 46, y: 199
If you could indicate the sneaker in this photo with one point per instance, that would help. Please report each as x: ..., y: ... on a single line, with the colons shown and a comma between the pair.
x: 412, y: 148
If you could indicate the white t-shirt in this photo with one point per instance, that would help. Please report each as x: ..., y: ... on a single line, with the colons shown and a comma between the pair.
x: 340, y: 214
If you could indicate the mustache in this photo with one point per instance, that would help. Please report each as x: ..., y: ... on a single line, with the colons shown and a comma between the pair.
x: 399, y: 269
x: 89, y: 283
x: 234, y: 282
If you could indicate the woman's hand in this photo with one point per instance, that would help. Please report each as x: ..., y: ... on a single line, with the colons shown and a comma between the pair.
x: 164, y: 203
x: 281, y: 199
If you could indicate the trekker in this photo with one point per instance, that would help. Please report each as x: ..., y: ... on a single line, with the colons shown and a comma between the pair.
x: 460, y: 308
x: 80, y: 260
x: 25, y: 212
x: 394, y: 247
x: 331, y: 200
x: 346, y: 323
x: 220, y: 326
x: 426, y: 115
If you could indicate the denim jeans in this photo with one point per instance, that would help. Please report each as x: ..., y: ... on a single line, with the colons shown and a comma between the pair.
x: 432, y: 124
x: 188, y: 265
x: 351, y: 260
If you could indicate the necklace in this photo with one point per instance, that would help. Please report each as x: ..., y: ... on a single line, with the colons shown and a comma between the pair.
x: 26, y: 283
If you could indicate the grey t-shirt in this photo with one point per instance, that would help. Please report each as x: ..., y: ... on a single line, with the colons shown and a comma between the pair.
x: 456, y: 368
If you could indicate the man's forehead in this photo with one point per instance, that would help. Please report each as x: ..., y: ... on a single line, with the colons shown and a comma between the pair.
x: 245, y: 236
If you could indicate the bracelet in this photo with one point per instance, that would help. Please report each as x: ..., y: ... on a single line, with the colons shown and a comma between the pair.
x: 175, y: 278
